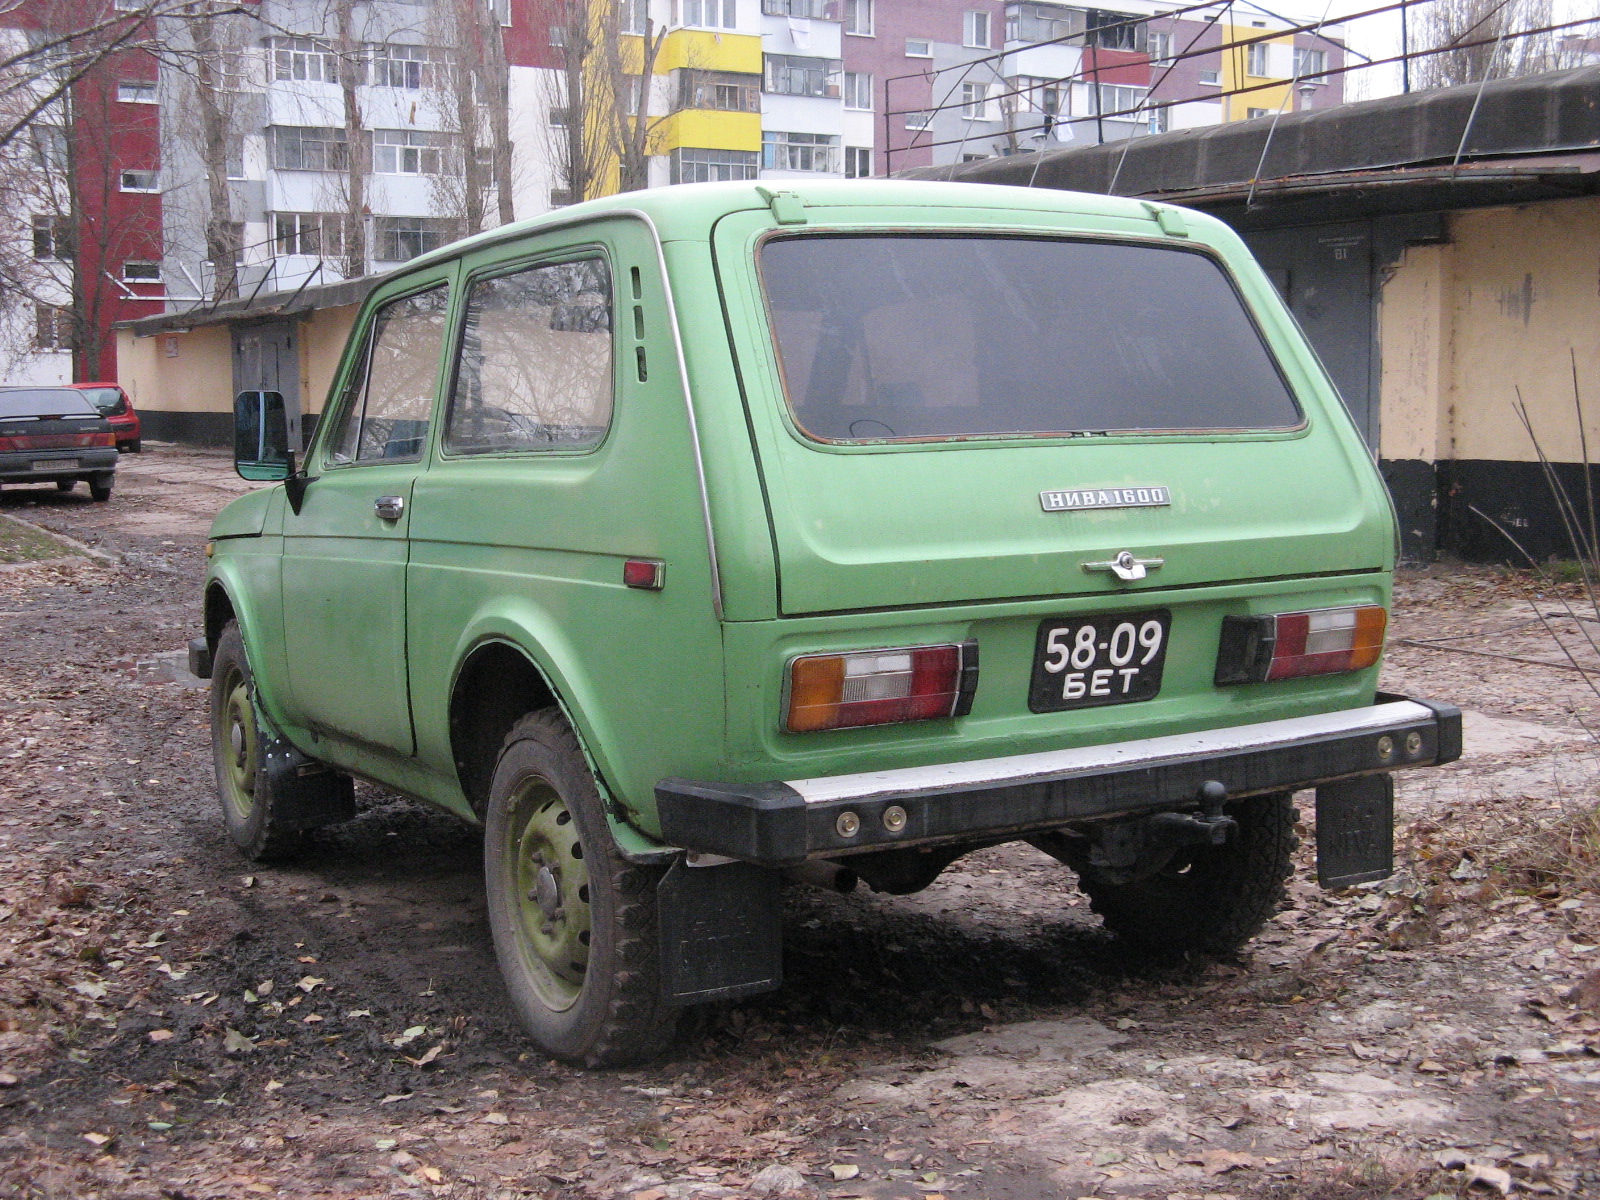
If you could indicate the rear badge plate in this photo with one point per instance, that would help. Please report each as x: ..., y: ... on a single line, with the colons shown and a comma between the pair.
x: 1088, y: 662
x: 1075, y: 499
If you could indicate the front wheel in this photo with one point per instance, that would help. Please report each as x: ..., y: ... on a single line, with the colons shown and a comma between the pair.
x: 249, y: 809
x: 1211, y: 899
x: 100, y: 488
x: 574, y: 923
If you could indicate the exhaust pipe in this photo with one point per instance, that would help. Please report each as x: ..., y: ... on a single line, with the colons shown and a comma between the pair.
x: 829, y: 876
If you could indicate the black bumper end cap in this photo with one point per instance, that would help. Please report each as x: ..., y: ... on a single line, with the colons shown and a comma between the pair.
x: 199, y: 658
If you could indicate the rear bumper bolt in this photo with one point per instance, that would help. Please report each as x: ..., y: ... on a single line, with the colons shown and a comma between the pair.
x: 1385, y: 748
x: 894, y: 818
x: 1413, y: 743
x: 848, y: 824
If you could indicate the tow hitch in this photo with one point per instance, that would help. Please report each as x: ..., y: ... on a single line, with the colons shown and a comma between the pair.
x: 1124, y: 851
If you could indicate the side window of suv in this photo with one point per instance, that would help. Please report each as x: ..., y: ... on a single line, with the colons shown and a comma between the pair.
x: 391, y: 394
x: 535, y: 365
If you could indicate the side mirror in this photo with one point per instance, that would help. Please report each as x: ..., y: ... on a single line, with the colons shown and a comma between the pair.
x: 261, y: 437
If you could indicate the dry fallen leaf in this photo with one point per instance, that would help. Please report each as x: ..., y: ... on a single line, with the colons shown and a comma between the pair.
x: 234, y: 1042
x: 97, y: 1139
x: 649, y: 1194
x: 409, y: 1036
x: 426, y: 1058
x: 1219, y: 1162
x: 310, y: 983
x: 159, y: 1035
x: 433, y: 1174
x: 1493, y: 1176
x: 495, y: 1118
x: 843, y: 1171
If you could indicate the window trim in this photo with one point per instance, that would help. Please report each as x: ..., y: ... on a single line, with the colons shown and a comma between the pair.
x: 141, y: 85
x: 458, y: 334
x: 928, y: 53
x: 872, y: 19
x: 442, y: 275
x: 969, y: 28
x: 155, y: 180
x: 769, y: 350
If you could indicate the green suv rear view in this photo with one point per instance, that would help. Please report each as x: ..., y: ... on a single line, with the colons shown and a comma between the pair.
x: 700, y: 539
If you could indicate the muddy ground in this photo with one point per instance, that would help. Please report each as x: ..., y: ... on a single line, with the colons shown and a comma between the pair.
x: 177, y: 1023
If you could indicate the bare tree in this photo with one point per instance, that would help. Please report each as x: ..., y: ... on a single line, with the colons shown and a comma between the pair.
x: 357, y: 153
x: 1499, y: 46
x: 627, y: 97
x: 472, y: 93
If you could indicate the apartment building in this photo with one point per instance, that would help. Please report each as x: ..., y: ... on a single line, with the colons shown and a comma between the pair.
x: 83, y: 186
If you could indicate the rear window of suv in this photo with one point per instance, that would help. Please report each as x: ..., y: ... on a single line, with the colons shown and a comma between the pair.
x: 921, y: 338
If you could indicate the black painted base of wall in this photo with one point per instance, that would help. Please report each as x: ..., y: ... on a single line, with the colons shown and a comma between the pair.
x: 187, y: 428
x: 207, y: 429
x: 1435, y: 502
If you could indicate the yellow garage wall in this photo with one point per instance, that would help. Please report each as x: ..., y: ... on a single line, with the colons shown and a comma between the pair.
x: 199, y: 379
x: 711, y: 130
x: 1504, y: 306
x: 322, y: 339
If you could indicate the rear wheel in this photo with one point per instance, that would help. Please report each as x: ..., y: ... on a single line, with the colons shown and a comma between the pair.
x: 100, y: 488
x: 130, y: 447
x: 236, y: 747
x: 1210, y: 898
x: 574, y: 923
x: 66, y: 485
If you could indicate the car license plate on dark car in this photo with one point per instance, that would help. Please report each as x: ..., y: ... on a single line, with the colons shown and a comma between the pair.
x: 1085, y: 662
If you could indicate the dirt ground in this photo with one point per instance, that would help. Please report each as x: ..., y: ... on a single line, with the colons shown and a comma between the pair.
x: 176, y: 1023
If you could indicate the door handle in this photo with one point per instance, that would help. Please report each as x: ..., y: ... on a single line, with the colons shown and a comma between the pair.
x: 390, y: 508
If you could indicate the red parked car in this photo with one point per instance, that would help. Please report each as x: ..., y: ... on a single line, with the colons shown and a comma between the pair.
x: 115, y: 406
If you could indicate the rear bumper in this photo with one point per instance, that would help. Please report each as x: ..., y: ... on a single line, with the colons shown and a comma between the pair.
x: 782, y: 823
x: 28, y: 467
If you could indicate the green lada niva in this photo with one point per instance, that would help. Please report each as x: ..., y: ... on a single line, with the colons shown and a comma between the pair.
x: 698, y: 539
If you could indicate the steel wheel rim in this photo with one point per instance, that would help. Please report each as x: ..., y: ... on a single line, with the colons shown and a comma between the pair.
x: 237, y: 743
x: 549, y: 882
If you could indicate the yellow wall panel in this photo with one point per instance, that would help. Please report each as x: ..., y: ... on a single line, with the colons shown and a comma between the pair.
x: 705, y: 50
x: 711, y: 130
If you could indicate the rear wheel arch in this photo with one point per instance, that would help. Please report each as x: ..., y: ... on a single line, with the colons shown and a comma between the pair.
x: 497, y: 684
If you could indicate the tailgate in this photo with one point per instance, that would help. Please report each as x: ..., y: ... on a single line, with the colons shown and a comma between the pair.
x: 949, y: 417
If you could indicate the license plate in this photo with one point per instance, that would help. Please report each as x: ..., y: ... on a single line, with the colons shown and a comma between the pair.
x: 1086, y: 662
x: 56, y: 464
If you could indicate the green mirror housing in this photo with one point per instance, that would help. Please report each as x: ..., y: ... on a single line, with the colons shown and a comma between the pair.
x: 261, y: 437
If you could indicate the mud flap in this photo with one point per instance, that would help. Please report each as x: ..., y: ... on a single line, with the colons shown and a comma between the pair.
x: 721, y: 932
x: 305, y: 793
x: 1355, y: 831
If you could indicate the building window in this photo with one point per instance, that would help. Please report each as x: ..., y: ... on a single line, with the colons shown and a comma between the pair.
x: 52, y: 327
x: 690, y: 165
x: 407, y: 152
x: 823, y: 10
x: 315, y: 235
x: 501, y: 11
x: 52, y: 237
x: 308, y: 148
x: 1211, y: 78
x: 919, y: 48
x: 857, y: 90
x: 858, y: 17
x: 794, y: 75
x: 631, y: 16
x: 725, y: 91
x: 708, y: 14
x: 918, y: 120
x: 1114, y: 30
x: 136, y: 92
x: 975, y: 30
x: 560, y: 197
x: 558, y: 116
x: 1043, y: 23
x: 1160, y: 120
x: 1160, y: 49
x: 1250, y: 114
x: 1310, y: 64
x: 817, y: 152
x: 975, y: 102
x: 558, y: 35
x: 141, y: 181
x: 304, y: 60
x: 49, y: 146
x: 141, y: 272
x: 409, y: 67
x: 857, y: 162
x: 1257, y: 60
x: 129, y: 5
x: 399, y: 238
x: 1119, y: 99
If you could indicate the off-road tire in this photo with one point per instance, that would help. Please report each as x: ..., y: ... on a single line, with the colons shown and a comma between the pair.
x: 100, y: 488
x: 132, y: 447
x: 611, y: 1012
x: 66, y: 485
x: 249, y: 809
x: 1211, y: 899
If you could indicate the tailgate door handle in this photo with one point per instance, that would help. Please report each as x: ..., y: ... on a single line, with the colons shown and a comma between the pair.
x: 390, y: 508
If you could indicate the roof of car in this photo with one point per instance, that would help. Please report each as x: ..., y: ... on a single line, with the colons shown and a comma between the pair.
x: 687, y: 212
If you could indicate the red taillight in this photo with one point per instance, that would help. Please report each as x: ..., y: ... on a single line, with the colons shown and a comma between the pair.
x: 881, y: 687
x: 1323, y: 641
x: 55, y: 441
